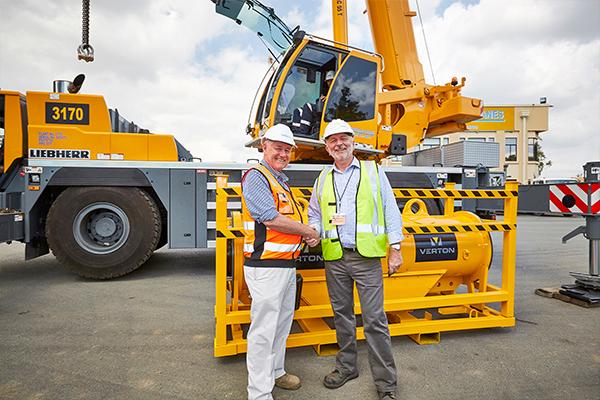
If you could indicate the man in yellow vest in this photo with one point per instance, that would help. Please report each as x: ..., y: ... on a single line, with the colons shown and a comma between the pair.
x: 274, y: 230
x: 353, y: 204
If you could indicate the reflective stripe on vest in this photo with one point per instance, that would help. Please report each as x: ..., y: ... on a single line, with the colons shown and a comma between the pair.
x: 370, y: 239
x: 261, y: 244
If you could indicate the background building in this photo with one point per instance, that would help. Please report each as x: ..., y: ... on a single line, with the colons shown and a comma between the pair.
x: 516, y: 128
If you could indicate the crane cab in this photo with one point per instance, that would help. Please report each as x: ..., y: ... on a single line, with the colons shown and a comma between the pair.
x: 389, y: 110
x: 298, y: 94
x: 295, y: 91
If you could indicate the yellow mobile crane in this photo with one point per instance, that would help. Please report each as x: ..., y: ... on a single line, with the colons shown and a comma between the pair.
x: 382, y: 94
x: 103, y: 193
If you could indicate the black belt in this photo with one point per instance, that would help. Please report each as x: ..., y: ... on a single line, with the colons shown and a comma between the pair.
x: 352, y: 249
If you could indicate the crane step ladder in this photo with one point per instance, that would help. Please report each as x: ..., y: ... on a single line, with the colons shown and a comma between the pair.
x: 442, y: 286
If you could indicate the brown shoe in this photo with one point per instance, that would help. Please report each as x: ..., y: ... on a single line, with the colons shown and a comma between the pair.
x: 335, y: 379
x: 288, y: 382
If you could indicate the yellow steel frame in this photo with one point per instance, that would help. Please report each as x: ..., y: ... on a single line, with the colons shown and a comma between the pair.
x: 460, y: 311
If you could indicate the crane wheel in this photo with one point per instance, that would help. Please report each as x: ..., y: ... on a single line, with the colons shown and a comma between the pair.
x: 164, y: 237
x: 103, y: 232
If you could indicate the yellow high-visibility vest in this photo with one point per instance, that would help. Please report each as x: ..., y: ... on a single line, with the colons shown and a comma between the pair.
x: 371, y: 239
x: 264, y: 247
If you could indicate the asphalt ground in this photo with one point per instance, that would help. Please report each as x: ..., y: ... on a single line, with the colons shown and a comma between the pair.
x: 150, y: 335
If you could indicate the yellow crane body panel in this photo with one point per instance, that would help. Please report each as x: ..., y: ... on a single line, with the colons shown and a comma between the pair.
x: 78, y: 126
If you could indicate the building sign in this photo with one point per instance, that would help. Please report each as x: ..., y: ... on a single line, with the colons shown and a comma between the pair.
x: 494, y: 119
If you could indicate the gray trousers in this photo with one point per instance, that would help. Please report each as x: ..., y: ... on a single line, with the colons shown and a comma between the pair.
x: 366, y: 272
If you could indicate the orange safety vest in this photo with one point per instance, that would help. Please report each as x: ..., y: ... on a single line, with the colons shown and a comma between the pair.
x: 264, y: 247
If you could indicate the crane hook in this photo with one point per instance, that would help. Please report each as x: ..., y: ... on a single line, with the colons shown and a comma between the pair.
x: 85, y: 51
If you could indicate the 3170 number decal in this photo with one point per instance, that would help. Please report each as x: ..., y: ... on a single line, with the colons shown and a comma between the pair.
x: 65, y: 113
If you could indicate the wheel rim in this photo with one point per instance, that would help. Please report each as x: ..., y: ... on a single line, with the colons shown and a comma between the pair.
x: 101, y: 228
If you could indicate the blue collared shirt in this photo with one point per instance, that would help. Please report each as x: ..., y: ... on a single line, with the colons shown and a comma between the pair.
x: 258, y: 196
x: 347, y: 205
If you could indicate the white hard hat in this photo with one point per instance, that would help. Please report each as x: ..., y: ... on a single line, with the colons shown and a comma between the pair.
x: 280, y: 133
x: 337, y: 126
x: 329, y: 75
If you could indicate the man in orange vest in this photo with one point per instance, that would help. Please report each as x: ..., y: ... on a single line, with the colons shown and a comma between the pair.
x: 274, y: 229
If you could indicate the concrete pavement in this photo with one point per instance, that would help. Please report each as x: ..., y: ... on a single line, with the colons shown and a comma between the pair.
x: 149, y: 335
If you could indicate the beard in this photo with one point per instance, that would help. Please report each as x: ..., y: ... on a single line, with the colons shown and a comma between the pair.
x: 342, y: 153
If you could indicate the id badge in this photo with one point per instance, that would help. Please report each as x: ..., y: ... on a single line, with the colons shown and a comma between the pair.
x: 284, y: 206
x: 338, y: 219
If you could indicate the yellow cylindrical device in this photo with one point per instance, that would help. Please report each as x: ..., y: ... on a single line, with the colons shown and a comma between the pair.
x: 432, y: 263
x: 461, y: 254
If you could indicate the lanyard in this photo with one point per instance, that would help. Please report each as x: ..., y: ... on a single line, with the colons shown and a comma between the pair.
x: 341, y: 196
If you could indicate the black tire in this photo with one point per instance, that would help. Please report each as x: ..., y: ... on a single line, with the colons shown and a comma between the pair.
x: 103, y: 232
x: 164, y: 237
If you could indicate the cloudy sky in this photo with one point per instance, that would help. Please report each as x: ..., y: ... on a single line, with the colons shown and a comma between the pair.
x: 174, y: 66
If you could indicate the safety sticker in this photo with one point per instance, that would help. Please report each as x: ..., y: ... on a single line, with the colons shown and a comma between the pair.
x: 33, y: 170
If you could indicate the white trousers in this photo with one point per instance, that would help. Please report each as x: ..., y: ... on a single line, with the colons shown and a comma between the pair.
x: 273, y: 292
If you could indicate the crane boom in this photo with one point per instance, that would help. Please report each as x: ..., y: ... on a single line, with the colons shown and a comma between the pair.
x: 394, y: 39
x: 339, y: 11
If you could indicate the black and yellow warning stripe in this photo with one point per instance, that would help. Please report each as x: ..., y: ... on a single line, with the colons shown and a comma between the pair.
x: 236, y: 233
x: 236, y: 191
x: 454, y: 193
x: 434, y: 193
x: 230, y: 191
x: 475, y: 227
x: 305, y: 192
x: 230, y: 233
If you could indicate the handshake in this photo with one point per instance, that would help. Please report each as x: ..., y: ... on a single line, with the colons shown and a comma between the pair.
x: 311, y: 236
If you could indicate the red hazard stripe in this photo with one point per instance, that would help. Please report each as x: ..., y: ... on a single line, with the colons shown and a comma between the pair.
x: 595, y: 206
x: 578, y: 202
x: 556, y: 201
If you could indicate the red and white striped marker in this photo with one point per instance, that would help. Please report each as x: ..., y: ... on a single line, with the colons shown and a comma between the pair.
x: 574, y: 198
x: 595, y: 198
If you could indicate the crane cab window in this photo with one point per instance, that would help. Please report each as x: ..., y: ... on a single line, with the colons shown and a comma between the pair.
x: 260, y: 19
x: 352, y: 96
x: 298, y: 90
x: 303, y: 87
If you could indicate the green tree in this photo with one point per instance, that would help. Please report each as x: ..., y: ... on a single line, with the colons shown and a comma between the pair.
x: 541, y: 157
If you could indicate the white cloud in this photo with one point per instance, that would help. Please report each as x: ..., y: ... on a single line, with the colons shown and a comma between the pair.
x: 147, y: 65
x: 175, y: 66
x: 514, y: 52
